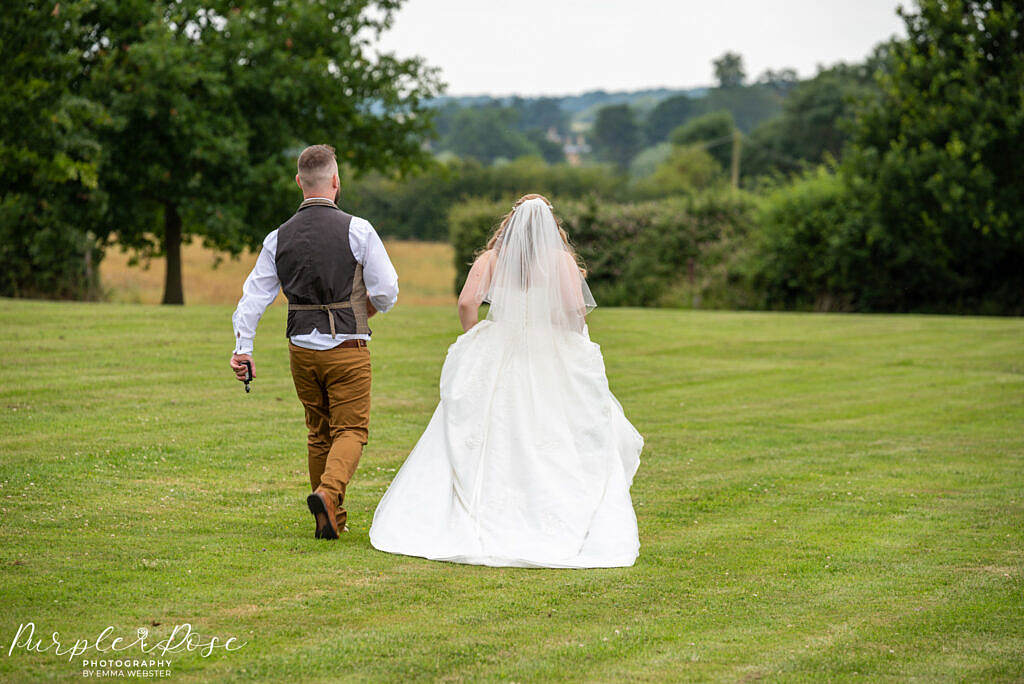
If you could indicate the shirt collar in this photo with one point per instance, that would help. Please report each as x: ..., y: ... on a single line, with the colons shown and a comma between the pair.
x: 317, y: 201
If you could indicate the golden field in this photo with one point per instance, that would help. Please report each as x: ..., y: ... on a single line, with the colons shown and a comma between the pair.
x: 426, y: 274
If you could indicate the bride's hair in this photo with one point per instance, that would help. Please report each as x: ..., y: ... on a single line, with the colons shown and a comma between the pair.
x: 495, y: 241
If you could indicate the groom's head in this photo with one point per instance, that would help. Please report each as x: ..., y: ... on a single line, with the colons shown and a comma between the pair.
x: 318, y: 172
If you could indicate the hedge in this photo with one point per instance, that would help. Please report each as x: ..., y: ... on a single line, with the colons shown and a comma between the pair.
x: 637, y: 254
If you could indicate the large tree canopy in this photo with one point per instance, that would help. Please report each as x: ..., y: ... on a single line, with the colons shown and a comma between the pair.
x: 815, y: 120
x: 712, y: 131
x: 486, y: 134
x: 616, y: 134
x: 50, y: 204
x: 212, y: 100
x: 925, y: 210
x: 935, y: 161
x: 669, y: 114
x: 729, y: 71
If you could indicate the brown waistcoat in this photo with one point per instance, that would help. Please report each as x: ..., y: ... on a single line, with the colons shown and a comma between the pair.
x: 318, y: 272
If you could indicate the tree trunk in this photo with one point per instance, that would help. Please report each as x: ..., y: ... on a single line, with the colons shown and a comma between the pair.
x: 173, y: 293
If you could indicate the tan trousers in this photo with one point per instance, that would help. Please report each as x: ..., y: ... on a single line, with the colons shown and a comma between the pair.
x: 334, y: 387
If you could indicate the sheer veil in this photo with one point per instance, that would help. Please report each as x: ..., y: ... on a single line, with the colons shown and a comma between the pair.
x: 535, y: 283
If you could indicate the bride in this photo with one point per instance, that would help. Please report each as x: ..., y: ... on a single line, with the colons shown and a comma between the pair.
x: 528, y: 458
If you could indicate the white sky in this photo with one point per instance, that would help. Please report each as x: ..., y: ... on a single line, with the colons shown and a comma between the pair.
x: 557, y: 47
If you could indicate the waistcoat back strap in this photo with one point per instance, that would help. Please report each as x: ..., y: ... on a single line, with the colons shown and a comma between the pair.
x: 322, y: 307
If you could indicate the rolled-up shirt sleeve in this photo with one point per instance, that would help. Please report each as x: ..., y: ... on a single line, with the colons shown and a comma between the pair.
x: 259, y: 291
x: 379, y: 274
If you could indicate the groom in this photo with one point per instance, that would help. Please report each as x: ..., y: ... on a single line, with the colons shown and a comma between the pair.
x: 336, y: 275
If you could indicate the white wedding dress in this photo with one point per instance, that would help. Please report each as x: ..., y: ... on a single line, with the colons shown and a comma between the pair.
x: 528, y: 458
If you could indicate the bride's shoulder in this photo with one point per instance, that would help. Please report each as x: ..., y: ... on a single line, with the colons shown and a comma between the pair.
x: 485, y: 258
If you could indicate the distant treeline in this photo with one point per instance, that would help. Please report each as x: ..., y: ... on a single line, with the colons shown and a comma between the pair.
x: 596, y: 126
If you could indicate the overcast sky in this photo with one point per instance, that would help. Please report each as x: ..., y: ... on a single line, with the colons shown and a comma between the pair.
x: 556, y: 47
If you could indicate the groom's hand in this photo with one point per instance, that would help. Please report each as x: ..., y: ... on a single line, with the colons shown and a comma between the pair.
x: 239, y: 368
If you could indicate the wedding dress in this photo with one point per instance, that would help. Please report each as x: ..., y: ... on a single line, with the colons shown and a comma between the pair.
x: 528, y: 458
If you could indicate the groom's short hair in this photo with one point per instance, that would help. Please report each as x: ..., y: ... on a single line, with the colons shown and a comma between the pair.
x: 317, y: 164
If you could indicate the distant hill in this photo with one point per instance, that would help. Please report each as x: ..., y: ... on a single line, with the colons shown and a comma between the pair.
x: 581, y: 109
x: 576, y: 104
x: 557, y: 128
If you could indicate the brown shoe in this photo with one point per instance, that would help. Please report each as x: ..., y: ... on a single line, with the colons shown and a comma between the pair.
x: 326, y: 526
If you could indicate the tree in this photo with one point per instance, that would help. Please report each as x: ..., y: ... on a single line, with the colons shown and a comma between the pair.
x: 765, y: 152
x: 668, y: 115
x: 212, y: 101
x: 712, y: 131
x: 782, y: 80
x: 817, y: 112
x: 486, y: 134
x: 934, y: 163
x: 616, y: 134
x: 550, y: 150
x: 729, y: 70
x: 541, y: 113
x: 444, y: 119
x: 50, y: 203
x: 649, y: 159
x: 815, y: 120
x: 749, y: 105
x: 688, y: 169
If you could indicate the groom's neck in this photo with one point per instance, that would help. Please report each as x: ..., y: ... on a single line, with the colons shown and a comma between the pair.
x: 326, y: 194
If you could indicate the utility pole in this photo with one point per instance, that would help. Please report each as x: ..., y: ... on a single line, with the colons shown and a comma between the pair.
x: 736, y: 157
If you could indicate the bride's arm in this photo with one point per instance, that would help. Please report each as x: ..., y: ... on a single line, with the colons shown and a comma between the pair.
x: 573, y: 304
x: 472, y: 294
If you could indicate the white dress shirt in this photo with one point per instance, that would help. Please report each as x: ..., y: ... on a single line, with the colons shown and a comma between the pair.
x: 262, y: 285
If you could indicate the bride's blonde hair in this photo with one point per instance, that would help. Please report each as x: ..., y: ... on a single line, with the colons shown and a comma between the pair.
x: 495, y: 240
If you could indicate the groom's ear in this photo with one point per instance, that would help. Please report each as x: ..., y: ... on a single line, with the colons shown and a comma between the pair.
x: 298, y: 182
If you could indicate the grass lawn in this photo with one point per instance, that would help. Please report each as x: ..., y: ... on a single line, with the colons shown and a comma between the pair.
x: 821, y: 497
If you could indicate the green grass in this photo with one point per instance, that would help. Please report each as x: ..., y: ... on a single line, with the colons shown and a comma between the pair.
x: 821, y: 497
